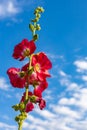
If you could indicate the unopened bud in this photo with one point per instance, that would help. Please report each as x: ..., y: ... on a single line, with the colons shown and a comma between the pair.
x: 21, y: 106
x: 31, y: 26
x: 35, y: 37
x: 38, y: 27
x: 40, y: 9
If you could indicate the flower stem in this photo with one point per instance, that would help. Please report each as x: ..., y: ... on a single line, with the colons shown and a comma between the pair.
x: 20, y: 125
x: 26, y: 96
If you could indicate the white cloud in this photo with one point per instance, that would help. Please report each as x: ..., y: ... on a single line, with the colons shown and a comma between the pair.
x: 81, y: 65
x: 84, y: 77
x: 5, y: 126
x: 8, y: 8
x: 3, y: 84
x: 45, y: 113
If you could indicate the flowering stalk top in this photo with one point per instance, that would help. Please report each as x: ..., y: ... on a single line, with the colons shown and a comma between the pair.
x: 34, y: 73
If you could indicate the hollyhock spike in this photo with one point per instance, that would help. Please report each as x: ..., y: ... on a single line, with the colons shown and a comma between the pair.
x: 34, y: 73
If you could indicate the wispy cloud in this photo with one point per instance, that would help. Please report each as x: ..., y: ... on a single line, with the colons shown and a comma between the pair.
x: 3, y: 84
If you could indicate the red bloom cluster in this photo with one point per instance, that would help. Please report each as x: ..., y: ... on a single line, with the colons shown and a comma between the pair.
x: 33, y: 73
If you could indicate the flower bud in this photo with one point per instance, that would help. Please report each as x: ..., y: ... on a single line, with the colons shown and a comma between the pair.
x: 21, y: 106
x: 38, y: 27
x: 31, y: 26
x: 16, y: 107
x: 17, y: 118
x: 36, y: 19
x: 33, y: 98
x: 41, y: 9
x: 22, y: 74
x: 35, y: 37
x: 38, y: 15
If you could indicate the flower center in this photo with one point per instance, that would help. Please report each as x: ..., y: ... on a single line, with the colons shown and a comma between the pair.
x: 37, y: 67
x: 26, y: 52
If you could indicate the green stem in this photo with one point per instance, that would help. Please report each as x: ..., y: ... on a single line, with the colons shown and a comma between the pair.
x: 26, y: 90
x: 20, y: 125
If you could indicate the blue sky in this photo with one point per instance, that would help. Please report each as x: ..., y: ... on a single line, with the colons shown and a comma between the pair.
x: 64, y: 39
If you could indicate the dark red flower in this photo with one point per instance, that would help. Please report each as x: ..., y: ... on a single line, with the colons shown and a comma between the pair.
x: 24, y: 49
x: 15, y: 78
x: 41, y: 64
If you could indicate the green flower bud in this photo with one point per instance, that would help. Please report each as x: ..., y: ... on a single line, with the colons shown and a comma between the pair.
x: 36, y: 11
x: 38, y: 27
x: 33, y: 98
x: 16, y: 107
x: 38, y: 15
x: 22, y: 74
x: 35, y: 37
x: 21, y: 106
x: 35, y: 20
x: 40, y: 9
x: 17, y: 118
x: 31, y: 26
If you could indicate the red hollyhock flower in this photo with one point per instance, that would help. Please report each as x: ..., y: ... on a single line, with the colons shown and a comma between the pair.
x: 40, y: 88
x: 42, y: 103
x: 41, y: 64
x: 15, y: 79
x: 24, y: 49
